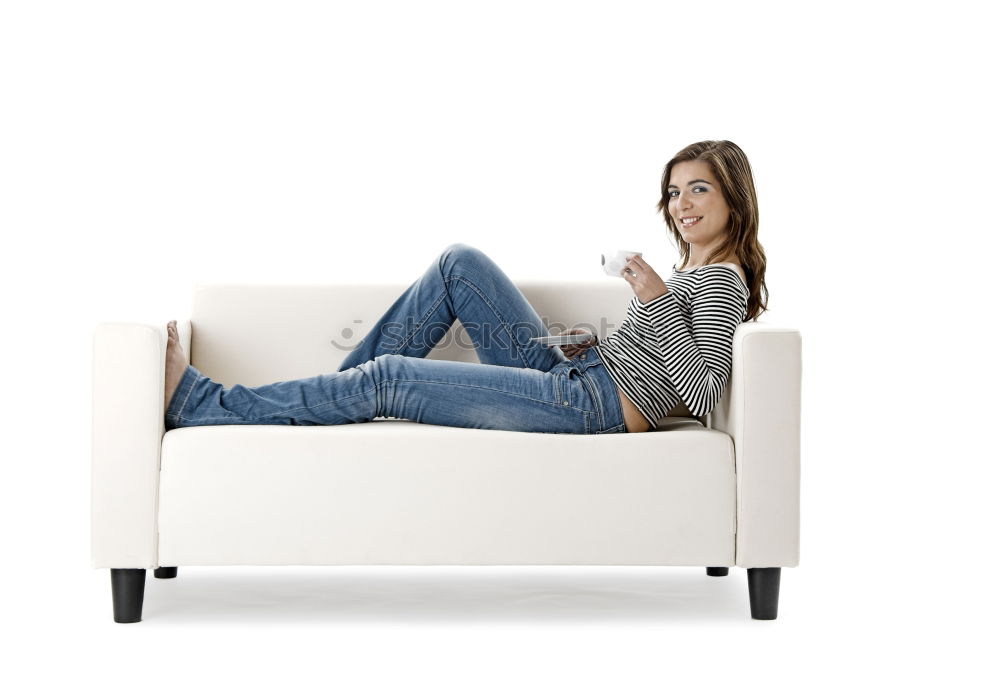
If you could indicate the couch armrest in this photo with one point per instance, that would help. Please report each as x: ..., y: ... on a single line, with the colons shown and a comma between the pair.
x: 761, y: 410
x: 128, y: 378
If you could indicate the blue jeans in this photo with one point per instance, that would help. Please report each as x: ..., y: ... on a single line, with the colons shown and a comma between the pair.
x: 519, y: 385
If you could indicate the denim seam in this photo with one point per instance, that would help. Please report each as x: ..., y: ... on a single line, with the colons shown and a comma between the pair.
x: 486, y: 300
x: 598, y: 408
x: 286, y: 411
x: 180, y: 409
x: 559, y: 404
x: 420, y: 324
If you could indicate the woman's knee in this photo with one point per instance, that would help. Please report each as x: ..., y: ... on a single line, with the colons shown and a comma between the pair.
x: 460, y: 251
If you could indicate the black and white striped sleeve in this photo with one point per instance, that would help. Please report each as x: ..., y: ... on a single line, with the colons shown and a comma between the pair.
x: 697, y: 352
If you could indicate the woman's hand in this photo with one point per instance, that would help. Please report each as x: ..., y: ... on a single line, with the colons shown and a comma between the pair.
x: 646, y: 284
x: 574, y: 350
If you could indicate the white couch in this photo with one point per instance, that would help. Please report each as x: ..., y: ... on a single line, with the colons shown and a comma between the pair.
x: 717, y: 491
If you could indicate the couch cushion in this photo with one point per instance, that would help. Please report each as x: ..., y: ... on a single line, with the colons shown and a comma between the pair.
x: 399, y: 492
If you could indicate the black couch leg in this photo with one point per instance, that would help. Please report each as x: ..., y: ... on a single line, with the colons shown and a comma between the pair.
x: 127, y: 587
x: 717, y: 571
x: 165, y: 572
x: 764, y: 585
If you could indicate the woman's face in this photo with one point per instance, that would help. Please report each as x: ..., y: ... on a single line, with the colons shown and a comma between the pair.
x: 694, y: 191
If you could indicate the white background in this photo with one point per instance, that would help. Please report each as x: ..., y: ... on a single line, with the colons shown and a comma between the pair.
x: 146, y: 147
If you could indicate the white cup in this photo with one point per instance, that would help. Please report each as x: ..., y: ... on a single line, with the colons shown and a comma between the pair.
x: 613, y: 264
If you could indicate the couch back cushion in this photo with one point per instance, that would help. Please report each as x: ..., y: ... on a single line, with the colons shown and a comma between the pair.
x: 257, y: 334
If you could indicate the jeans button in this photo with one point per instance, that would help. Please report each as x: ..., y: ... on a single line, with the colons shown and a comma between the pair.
x: 565, y: 404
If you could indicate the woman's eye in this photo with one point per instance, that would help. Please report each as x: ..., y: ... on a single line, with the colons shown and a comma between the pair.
x: 674, y: 193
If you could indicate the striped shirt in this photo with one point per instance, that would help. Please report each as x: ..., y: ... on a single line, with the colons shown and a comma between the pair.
x: 679, y: 346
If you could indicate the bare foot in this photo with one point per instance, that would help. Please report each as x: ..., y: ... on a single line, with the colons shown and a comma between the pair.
x: 176, y: 363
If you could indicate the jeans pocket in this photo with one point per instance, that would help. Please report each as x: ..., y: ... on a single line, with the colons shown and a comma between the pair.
x: 593, y: 404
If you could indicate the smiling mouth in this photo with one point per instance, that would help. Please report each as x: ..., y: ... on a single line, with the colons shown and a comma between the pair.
x: 688, y: 225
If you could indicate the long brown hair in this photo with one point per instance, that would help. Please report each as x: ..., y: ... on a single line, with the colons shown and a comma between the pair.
x: 732, y: 170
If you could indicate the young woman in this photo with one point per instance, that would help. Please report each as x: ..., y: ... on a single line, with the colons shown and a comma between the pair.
x: 675, y: 345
